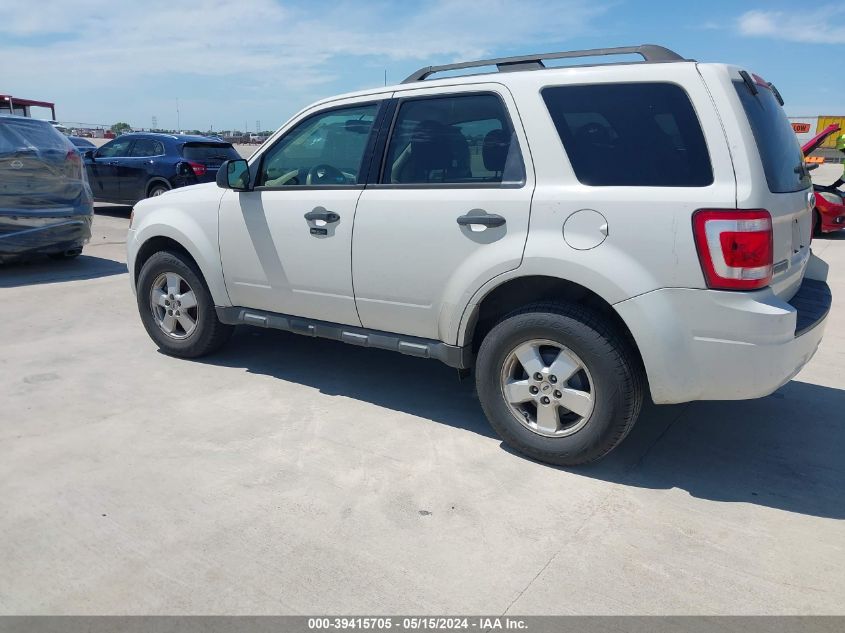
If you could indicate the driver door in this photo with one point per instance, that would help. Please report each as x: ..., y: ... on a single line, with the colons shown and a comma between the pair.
x: 286, y: 246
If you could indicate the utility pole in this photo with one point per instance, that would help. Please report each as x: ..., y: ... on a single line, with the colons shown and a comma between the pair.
x: 385, y: 76
x: 178, y: 122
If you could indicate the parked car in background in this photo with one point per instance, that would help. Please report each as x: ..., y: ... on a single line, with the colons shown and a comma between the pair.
x: 141, y: 165
x: 82, y: 145
x: 829, y: 211
x: 45, y: 201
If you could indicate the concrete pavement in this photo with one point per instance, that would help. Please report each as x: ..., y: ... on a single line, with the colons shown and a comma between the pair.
x: 294, y: 475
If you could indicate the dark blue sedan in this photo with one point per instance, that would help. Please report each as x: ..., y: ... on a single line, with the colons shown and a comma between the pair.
x: 141, y: 165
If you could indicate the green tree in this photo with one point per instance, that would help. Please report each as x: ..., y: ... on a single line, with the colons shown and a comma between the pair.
x: 121, y: 128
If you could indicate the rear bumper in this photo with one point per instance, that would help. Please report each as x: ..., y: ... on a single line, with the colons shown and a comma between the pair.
x: 29, y: 234
x: 714, y: 345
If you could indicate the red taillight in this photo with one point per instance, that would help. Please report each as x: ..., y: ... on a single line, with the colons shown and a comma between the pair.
x: 199, y: 168
x: 735, y: 247
x: 74, y: 161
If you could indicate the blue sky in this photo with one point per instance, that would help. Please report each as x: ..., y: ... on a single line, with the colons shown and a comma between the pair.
x: 235, y: 62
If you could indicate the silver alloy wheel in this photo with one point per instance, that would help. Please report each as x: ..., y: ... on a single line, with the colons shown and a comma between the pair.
x: 158, y: 191
x: 547, y: 388
x: 174, y: 305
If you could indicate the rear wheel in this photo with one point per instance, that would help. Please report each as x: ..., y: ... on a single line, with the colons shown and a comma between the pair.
x: 817, y: 223
x: 157, y: 189
x: 176, y: 307
x: 559, y: 384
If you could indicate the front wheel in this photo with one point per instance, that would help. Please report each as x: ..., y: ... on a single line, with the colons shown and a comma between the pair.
x: 559, y: 383
x: 176, y: 307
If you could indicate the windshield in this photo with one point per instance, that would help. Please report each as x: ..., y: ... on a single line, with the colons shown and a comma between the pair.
x: 776, y: 142
x: 209, y: 152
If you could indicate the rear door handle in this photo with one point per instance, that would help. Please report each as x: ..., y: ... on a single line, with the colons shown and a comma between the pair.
x: 490, y: 219
x: 319, y: 213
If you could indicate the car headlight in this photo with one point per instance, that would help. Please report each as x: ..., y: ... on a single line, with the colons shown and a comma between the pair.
x: 831, y: 197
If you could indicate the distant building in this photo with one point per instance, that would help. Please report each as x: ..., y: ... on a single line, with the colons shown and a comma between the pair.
x: 806, y: 127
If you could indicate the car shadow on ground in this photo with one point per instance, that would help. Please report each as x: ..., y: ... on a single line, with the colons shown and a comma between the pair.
x: 834, y: 235
x: 43, y: 270
x: 112, y: 210
x: 784, y: 451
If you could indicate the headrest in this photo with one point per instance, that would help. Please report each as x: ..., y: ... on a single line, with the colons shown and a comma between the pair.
x: 594, y: 134
x: 494, y: 150
x: 430, y: 147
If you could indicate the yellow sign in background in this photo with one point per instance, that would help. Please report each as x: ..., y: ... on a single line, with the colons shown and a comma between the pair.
x: 824, y: 121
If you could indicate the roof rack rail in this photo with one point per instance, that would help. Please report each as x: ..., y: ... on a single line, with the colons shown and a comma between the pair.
x: 651, y: 54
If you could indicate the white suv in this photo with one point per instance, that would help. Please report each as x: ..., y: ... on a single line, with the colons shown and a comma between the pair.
x: 580, y: 236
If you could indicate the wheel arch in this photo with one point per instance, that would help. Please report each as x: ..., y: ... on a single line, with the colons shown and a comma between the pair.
x: 517, y: 292
x: 170, y: 240
x: 156, y: 180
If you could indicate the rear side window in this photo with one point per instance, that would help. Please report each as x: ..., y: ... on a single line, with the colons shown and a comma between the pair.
x: 776, y: 142
x: 636, y: 135
x: 147, y: 147
x: 209, y: 152
x: 462, y: 139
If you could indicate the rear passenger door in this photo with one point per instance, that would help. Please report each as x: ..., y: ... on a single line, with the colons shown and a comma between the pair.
x: 135, y: 170
x: 447, y: 210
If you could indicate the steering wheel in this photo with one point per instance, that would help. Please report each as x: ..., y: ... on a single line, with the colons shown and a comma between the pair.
x: 324, y: 174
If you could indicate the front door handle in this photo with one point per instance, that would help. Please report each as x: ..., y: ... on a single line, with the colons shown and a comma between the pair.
x: 489, y: 219
x: 319, y: 213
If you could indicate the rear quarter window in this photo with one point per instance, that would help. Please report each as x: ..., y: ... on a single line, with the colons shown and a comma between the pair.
x: 638, y: 134
x: 777, y: 144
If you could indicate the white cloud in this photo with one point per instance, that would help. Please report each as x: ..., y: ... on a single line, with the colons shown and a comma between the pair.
x: 822, y: 25
x: 244, y: 55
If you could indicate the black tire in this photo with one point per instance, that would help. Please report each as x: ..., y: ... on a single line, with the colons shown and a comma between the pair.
x: 156, y: 189
x: 66, y: 255
x: 817, y: 223
x: 209, y: 335
x: 617, y: 377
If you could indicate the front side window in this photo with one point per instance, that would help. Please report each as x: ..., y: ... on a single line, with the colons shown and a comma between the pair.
x: 459, y: 139
x: 117, y: 147
x: 636, y: 135
x: 326, y: 149
x: 147, y: 147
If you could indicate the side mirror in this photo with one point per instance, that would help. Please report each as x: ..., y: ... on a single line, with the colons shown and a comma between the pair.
x: 90, y: 154
x: 234, y: 174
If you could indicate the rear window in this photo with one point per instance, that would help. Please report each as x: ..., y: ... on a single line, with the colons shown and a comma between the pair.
x: 209, y: 152
x: 29, y: 133
x: 776, y: 142
x: 640, y: 135
x: 82, y: 143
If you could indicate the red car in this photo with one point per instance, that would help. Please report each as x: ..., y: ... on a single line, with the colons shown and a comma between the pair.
x: 829, y: 214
